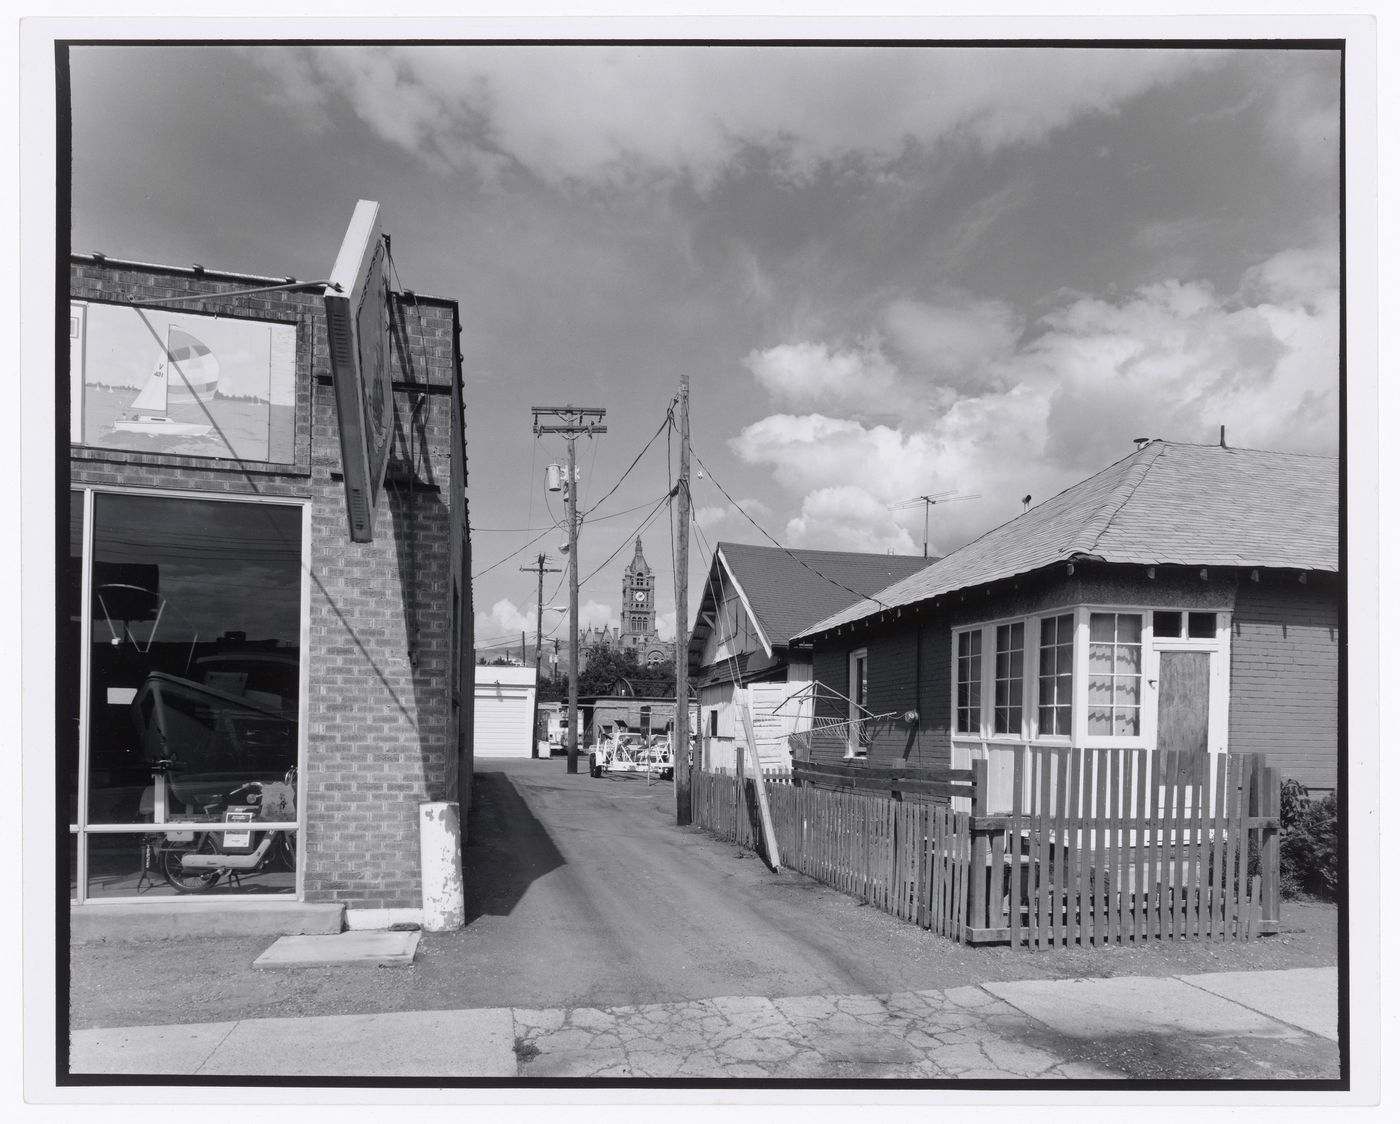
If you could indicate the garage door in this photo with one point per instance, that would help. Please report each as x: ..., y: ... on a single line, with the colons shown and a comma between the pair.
x: 504, y: 716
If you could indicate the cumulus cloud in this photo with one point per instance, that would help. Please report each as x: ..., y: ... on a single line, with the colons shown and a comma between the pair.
x: 579, y: 114
x: 960, y: 343
x: 718, y: 516
x: 505, y: 620
x: 1174, y: 360
x: 808, y: 374
x: 848, y: 518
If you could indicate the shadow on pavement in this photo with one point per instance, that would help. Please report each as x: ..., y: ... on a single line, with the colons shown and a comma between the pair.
x: 507, y: 850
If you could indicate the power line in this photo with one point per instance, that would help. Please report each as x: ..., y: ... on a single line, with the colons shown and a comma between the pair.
x: 645, y: 523
x: 665, y: 425
x: 775, y: 542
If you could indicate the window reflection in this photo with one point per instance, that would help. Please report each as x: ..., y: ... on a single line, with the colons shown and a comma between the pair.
x: 194, y: 648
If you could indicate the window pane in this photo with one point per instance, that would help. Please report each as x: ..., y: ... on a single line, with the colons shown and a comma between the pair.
x: 196, y: 623
x: 1129, y: 661
x: 1125, y: 691
x: 121, y: 866
x: 1100, y: 691
x: 1101, y: 627
x: 1125, y: 723
x: 1100, y: 722
x: 1100, y: 658
x: 1129, y: 628
x: 1202, y: 626
x: 1166, y: 624
x: 70, y: 684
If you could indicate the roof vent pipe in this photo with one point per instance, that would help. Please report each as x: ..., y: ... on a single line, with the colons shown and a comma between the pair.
x: 1222, y: 438
x: 1025, y: 504
x: 1141, y: 441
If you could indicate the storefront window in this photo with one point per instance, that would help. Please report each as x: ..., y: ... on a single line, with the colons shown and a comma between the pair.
x: 193, y: 693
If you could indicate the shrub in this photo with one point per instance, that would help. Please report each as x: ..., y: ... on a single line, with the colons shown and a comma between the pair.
x: 1307, y: 843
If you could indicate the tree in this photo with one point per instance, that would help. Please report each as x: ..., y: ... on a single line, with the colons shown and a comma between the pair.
x: 606, y: 666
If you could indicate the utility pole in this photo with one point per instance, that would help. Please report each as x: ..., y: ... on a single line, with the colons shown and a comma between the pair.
x: 540, y: 568
x: 572, y: 421
x: 681, y: 756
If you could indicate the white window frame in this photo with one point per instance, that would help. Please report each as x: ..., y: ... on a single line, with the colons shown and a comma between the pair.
x: 856, y: 711
x: 79, y: 827
x: 1146, y: 738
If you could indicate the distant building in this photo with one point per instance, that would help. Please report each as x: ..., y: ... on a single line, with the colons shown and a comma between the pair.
x: 637, y: 632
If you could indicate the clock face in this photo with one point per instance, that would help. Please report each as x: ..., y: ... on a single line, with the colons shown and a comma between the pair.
x: 639, y: 596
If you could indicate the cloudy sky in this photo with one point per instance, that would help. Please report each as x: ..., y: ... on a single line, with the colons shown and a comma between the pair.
x: 887, y: 271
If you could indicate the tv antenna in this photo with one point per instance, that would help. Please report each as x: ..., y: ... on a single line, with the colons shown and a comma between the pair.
x: 928, y: 502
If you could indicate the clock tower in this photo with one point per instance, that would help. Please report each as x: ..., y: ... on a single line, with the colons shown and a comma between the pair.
x: 638, y: 603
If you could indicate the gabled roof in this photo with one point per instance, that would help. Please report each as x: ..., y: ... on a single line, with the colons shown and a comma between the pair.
x: 1166, y: 504
x: 787, y: 590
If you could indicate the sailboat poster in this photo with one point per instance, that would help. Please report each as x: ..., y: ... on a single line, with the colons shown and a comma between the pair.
x: 186, y: 384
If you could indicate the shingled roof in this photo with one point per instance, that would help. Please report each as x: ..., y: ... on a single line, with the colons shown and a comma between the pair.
x: 1166, y: 504
x: 788, y: 590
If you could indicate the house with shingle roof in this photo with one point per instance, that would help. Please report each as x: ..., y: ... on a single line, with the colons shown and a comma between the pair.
x: 754, y: 599
x: 1185, y: 597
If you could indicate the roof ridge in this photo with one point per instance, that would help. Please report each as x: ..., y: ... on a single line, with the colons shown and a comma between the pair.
x: 1097, y: 526
x: 1248, y: 449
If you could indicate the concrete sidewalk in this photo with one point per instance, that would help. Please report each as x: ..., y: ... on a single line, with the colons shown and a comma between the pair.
x: 1277, y: 1025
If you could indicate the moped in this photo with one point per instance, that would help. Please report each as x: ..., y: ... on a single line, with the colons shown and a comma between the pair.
x: 194, y: 861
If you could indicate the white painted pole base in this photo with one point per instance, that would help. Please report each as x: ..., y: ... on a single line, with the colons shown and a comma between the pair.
x: 440, y: 851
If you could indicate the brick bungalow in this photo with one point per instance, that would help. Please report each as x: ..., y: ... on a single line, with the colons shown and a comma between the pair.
x: 218, y: 615
x: 1185, y: 597
x: 754, y: 598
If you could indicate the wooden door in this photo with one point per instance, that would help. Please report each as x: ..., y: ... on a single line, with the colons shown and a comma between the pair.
x: 1183, y: 702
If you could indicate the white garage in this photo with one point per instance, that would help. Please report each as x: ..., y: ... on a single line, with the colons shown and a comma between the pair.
x: 505, y: 711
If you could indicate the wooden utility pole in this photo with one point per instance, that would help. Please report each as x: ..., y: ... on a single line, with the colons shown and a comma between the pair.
x: 541, y: 569
x: 681, y: 755
x: 572, y: 421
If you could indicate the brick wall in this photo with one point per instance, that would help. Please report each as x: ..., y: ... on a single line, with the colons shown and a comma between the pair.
x: 1283, y: 675
x: 383, y: 731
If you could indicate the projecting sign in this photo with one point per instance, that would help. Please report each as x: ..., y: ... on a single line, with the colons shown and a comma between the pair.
x: 357, y: 324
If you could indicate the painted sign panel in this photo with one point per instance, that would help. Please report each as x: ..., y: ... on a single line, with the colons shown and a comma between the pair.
x: 357, y: 327
x: 182, y: 383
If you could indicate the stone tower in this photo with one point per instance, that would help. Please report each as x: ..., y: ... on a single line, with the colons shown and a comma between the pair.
x: 638, y: 603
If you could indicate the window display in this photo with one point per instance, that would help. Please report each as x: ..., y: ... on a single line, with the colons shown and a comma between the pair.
x: 193, y: 694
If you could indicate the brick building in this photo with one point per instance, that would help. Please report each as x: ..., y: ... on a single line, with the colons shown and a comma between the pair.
x: 1186, y: 597
x: 229, y: 651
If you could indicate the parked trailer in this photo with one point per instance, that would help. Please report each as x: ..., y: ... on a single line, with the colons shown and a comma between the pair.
x: 633, y: 753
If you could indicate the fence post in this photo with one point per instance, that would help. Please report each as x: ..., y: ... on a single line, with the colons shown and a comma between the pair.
x: 978, y: 873
x: 738, y: 793
x: 1269, y: 857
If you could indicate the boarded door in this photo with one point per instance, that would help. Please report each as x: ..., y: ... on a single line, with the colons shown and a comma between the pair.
x: 1183, y: 702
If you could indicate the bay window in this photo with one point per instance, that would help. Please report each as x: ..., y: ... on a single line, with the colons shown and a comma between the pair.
x: 1008, y: 682
x: 1056, y: 684
x: 1114, y: 687
x: 1086, y: 675
x: 969, y: 687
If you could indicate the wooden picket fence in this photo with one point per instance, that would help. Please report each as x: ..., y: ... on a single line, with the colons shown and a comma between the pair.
x: 1099, y: 847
